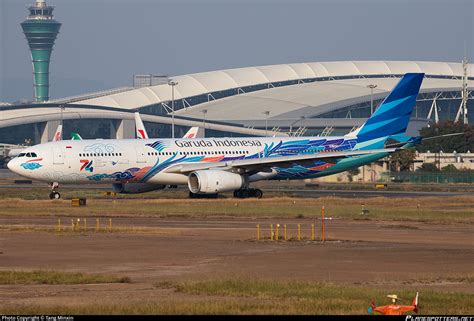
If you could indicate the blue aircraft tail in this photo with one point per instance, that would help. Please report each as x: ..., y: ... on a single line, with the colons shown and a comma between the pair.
x: 393, y: 115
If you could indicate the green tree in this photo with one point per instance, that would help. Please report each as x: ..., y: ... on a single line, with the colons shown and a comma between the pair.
x: 352, y: 172
x: 449, y: 168
x: 428, y: 167
x: 402, y: 160
x: 460, y: 143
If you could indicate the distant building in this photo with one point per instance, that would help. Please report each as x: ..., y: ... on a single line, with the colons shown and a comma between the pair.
x: 379, y: 171
x: 301, y: 99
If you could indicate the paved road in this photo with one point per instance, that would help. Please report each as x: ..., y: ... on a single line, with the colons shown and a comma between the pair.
x: 296, y: 192
x: 364, y: 193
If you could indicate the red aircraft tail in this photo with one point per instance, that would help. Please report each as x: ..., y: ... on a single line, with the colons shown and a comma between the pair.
x: 415, y: 302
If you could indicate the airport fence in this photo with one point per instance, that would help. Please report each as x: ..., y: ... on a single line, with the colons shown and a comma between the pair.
x: 434, y: 177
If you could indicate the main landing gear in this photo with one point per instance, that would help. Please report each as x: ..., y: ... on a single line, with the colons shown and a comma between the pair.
x: 248, y: 192
x: 54, y: 195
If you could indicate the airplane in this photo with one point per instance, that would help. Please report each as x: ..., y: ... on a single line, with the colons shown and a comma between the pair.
x: 194, y: 132
x: 140, y: 131
x: 394, y: 308
x: 76, y: 136
x: 58, y: 134
x: 209, y: 166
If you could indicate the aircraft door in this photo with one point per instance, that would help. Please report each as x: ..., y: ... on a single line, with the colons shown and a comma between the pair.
x: 140, y: 151
x: 58, y: 156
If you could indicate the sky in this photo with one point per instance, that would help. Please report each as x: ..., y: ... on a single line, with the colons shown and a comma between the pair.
x: 103, y: 43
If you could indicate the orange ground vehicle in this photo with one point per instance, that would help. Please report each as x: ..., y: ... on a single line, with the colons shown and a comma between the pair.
x: 394, y: 308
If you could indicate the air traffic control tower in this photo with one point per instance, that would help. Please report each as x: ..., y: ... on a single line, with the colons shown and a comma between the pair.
x: 41, y: 30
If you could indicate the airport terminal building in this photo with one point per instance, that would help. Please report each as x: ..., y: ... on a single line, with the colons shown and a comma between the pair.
x: 318, y: 98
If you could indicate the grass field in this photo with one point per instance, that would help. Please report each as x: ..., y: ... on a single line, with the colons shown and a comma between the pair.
x: 226, y: 294
x: 247, y: 296
x: 449, y: 209
x: 53, y: 277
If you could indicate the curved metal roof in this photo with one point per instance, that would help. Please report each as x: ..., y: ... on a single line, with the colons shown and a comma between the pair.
x: 222, y: 80
x: 306, y: 100
x: 292, y: 92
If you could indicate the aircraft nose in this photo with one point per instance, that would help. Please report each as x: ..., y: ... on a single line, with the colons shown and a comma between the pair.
x: 11, y: 165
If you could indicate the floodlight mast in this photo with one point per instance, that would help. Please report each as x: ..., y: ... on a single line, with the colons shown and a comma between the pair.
x: 172, y: 83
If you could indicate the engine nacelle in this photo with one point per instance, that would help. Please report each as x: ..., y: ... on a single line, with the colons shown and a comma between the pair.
x: 135, y: 188
x: 214, y: 181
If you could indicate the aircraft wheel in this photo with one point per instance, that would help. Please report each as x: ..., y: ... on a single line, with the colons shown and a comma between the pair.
x: 258, y: 193
x: 54, y: 195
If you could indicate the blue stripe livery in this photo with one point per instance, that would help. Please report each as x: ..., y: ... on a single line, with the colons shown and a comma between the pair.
x: 393, y: 115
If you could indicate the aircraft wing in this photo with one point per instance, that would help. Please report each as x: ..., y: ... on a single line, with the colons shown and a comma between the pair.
x: 253, y: 164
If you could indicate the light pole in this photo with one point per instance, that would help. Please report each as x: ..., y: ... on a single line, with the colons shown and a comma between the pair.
x: 61, y: 107
x: 371, y: 86
x: 172, y: 84
x: 266, y: 112
x: 204, y: 113
x: 62, y: 120
x: 294, y: 123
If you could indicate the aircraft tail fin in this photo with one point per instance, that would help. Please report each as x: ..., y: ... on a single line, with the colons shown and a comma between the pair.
x: 194, y: 132
x: 139, y: 127
x: 76, y: 136
x: 58, y: 135
x: 415, y: 303
x: 415, y: 300
x: 393, y: 115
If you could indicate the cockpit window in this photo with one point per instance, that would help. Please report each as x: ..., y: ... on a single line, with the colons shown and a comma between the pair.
x: 27, y: 155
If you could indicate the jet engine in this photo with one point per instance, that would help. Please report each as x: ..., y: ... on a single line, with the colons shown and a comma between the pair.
x: 214, y: 181
x: 135, y: 188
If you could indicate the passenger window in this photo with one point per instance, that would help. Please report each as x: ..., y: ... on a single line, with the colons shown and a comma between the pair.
x: 34, y: 155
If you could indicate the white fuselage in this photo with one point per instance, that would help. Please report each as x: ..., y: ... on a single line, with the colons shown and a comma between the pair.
x: 146, y: 161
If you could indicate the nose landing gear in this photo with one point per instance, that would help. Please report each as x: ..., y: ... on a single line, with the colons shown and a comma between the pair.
x: 54, y: 195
